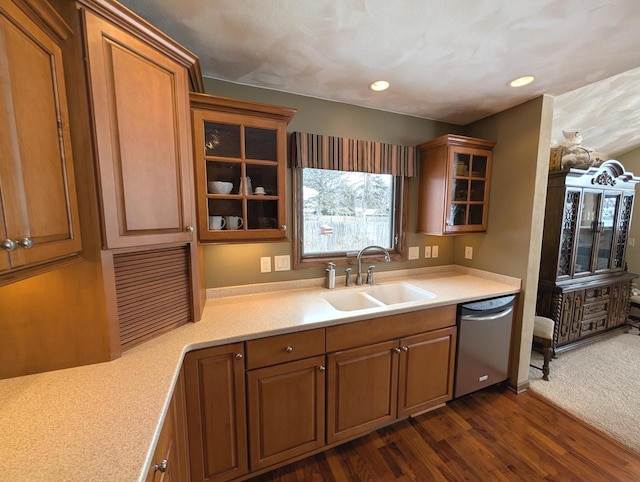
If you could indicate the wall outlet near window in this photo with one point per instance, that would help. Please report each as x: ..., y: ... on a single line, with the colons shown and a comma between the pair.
x: 468, y: 252
x: 427, y: 251
x: 414, y: 252
x: 265, y: 264
x: 283, y: 263
x: 434, y: 251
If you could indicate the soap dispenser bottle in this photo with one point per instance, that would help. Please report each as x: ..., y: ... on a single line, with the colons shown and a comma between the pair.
x: 331, y: 275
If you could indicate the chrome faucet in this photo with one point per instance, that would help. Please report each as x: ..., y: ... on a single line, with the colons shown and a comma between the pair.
x: 387, y: 258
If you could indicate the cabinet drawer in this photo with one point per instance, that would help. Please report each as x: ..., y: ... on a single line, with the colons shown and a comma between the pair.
x: 367, y: 332
x: 593, y: 326
x: 284, y: 348
x: 592, y: 294
x: 595, y: 309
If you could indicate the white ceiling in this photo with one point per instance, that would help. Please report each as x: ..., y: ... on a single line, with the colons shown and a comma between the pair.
x: 447, y: 60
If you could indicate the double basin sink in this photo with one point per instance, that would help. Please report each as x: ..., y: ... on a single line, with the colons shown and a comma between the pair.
x: 376, y: 296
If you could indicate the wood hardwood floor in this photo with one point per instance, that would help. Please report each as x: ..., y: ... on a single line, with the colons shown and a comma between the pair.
x: 491, y: 435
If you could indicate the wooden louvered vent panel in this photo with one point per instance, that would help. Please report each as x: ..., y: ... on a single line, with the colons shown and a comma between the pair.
x: 153, y: 291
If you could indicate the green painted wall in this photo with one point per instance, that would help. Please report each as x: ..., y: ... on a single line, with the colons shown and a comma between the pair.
x: 239, y: 264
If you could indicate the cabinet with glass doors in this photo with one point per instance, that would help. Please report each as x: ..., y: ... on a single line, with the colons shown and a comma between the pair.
x: 455, y: 174
x: 584, y: 285
x: 240, y: 156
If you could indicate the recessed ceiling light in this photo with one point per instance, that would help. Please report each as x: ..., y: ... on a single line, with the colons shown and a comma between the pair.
x: 379, y: 85
x: 520, y: 81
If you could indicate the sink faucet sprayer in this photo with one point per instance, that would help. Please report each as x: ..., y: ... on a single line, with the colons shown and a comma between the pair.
x: 387, y: 258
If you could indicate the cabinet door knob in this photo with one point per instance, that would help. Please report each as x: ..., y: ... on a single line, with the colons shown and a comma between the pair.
x: 9, y: 244
x: 322, y: 368
x: 189, y: 229
x: 162, y: 466
x: 239, y: 356
x: 26, y: 243
x: 397, y: 350
x: 288, y: 349
x: 405, y: 348
x: 283, y: 227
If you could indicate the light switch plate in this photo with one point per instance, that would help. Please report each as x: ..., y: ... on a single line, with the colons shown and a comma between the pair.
x: 414, y: 252
x: 265, y: 264
x: 283, y: 263
x: 434, y: 251
x: 427, y: 251
x: 468, y: 252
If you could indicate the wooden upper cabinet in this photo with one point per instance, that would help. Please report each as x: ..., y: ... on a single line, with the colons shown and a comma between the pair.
x: 455, y: 174
x: 240, y: 145
x: 38, y: 206
x: 140, y: 100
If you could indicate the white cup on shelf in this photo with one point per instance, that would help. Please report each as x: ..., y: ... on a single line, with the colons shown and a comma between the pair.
x: 216, y: 223
x: 233, y: 222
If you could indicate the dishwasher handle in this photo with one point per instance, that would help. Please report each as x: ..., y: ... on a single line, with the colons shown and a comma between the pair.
x: 493, y: 316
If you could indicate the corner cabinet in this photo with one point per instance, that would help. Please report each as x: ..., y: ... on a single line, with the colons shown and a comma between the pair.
x: 454, y: 185
x: 584, y: 286
x: 240, y: 145
x: 38, y: 207
x: 139, y: 96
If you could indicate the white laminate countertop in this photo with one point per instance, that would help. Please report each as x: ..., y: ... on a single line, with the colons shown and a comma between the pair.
x: 101, y: 422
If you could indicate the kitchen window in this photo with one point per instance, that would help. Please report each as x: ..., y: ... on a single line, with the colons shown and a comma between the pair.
x: 342, y: 203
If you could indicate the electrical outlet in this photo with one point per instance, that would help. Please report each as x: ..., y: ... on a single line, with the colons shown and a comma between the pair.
x: 632, y: 242
x: 427, y: 251
x: 283, y: 262
x: 434, y: 251
x: 414, y: 252
x: 468, y: 252
x: 265, y: 264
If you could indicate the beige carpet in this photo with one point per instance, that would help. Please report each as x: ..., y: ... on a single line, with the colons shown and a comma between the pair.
x: 598, y: 383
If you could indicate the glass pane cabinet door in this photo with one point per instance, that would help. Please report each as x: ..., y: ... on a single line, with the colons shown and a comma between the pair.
x: 586, y: 232
x: 468, y: 189
x: 606, y: 230
x: 624, y: 221
x: 567, y: 234
x: 240, y: 168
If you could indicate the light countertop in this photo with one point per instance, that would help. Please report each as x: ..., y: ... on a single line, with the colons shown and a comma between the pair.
x: 100, y: 422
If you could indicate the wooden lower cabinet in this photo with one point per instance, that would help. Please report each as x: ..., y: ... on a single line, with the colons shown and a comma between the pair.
x: 426, y: 371
x: 216, y: 413
x: 170, y: 462
x: 286, y: 410
x: 361, y: 389
x: 373, y: 385
x: 312, y: 389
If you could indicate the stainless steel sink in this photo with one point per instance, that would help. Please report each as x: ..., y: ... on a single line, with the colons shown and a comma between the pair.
x: 376, y: 296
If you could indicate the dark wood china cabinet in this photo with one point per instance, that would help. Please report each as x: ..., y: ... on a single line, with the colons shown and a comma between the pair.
x: 584, y: 285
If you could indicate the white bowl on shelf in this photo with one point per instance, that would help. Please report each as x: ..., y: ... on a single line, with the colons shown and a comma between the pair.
x: 219, y: 187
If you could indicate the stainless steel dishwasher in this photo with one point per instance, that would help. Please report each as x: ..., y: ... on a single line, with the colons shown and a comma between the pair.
x: 484, y: 339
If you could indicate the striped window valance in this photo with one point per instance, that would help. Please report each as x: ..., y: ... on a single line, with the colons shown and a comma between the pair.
x: 342, y: 154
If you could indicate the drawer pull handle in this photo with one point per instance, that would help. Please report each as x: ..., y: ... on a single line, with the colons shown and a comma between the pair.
x: 239, y: 356
x: 289, y: 349
x: 162, y: 466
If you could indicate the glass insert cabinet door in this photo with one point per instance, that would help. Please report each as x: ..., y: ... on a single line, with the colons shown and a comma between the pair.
x: 596, y: 232
x: 468, y: 189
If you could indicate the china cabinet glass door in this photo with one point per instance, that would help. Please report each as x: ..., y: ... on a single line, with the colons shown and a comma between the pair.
x: 606, y: 230
x: 586, y: 232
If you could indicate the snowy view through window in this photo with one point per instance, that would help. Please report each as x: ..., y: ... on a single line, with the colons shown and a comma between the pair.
x: 346, y: 211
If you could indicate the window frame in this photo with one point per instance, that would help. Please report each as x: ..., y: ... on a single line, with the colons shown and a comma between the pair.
x: 397, y: 253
